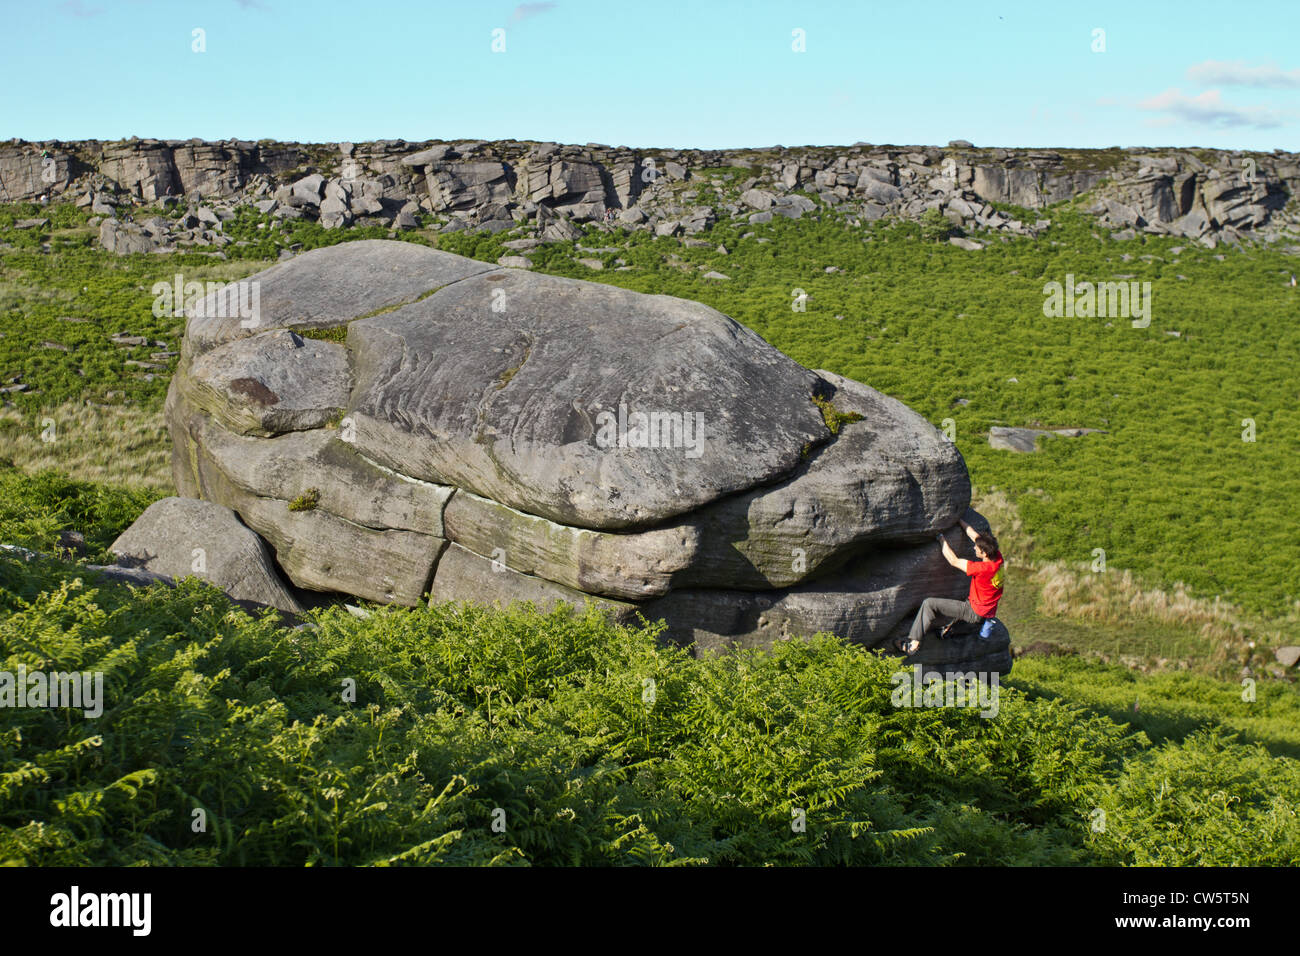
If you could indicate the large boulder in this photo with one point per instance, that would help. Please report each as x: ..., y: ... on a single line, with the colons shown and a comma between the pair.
x: 125, y: 238
x: 401, y: 424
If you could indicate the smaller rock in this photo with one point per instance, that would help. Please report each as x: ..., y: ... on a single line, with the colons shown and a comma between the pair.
x: 1025, y: 439
x: 1287, y: 656
x: 71, y: 542
x: 426, y: 157
x: 309, y: 189
x: 184, y: 537
x: 561, y: 230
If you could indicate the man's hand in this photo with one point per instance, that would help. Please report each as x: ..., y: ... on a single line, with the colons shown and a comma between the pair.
x: 950, y: 555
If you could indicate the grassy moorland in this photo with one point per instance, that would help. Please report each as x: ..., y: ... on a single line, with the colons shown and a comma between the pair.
x: 1170, y: 493
x: 463, y: 712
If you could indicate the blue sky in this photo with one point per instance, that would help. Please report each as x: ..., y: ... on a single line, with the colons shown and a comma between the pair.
x: 658, y: 74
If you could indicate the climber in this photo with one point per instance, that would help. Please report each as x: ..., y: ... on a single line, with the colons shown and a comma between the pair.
x: 985, y: 591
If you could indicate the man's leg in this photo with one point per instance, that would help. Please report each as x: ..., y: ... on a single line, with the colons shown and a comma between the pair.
x: 963, y: 613
x: 931, y: 607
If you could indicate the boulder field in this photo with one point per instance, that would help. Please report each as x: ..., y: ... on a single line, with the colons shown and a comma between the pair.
x: 400, y: 424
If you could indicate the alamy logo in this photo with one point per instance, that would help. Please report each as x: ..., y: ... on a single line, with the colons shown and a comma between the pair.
x: 1103, y: 300
x: 209, y: 300
x: 651, y: 430
x: 75, y: 908
x: 970, y: 689
x: 80, y: 691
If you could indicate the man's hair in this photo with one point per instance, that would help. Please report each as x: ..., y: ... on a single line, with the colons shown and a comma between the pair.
x: 987, y: 543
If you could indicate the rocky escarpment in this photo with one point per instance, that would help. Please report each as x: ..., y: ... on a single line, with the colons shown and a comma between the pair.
x: 399, y: 423
x: 547, y: 189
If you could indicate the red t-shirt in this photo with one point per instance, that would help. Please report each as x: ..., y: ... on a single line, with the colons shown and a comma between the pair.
x: 985, y: 585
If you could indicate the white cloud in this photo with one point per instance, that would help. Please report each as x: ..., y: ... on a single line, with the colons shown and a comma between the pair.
x: 1209, y: 109
x: 1237, y: 73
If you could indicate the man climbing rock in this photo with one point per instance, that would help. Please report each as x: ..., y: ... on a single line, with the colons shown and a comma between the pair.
x: 985, y: 590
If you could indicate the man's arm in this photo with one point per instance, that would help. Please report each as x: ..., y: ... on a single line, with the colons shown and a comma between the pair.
x: 951, y: 556
x: 970, y: 532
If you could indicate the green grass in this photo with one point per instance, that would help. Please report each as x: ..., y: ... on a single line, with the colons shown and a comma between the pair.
x: 35, y: 508
x: 334, y: 333
x: 307, y: 501
x: 833, y: 417
x: 64, y: 361
x: 585, y: 743
x: 1168, y: 707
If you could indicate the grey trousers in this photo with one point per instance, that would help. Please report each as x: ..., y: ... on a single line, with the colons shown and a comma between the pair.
x: 930, y: 607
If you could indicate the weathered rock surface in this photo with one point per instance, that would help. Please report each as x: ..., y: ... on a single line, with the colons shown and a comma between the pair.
x: 278, y: 382
x: 290, y: 466
x: 329, y: 287
x: 632, y: 566
x: 863, y: 602
x: 516, y: 416
x: 126, y: 238
x: 889, y: 477
x: 184, y: 537
x: 965, y: 651
x: 1287, y: 656
x: 458, y: 438
x: 463, y: 575
x: 322, y: 552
